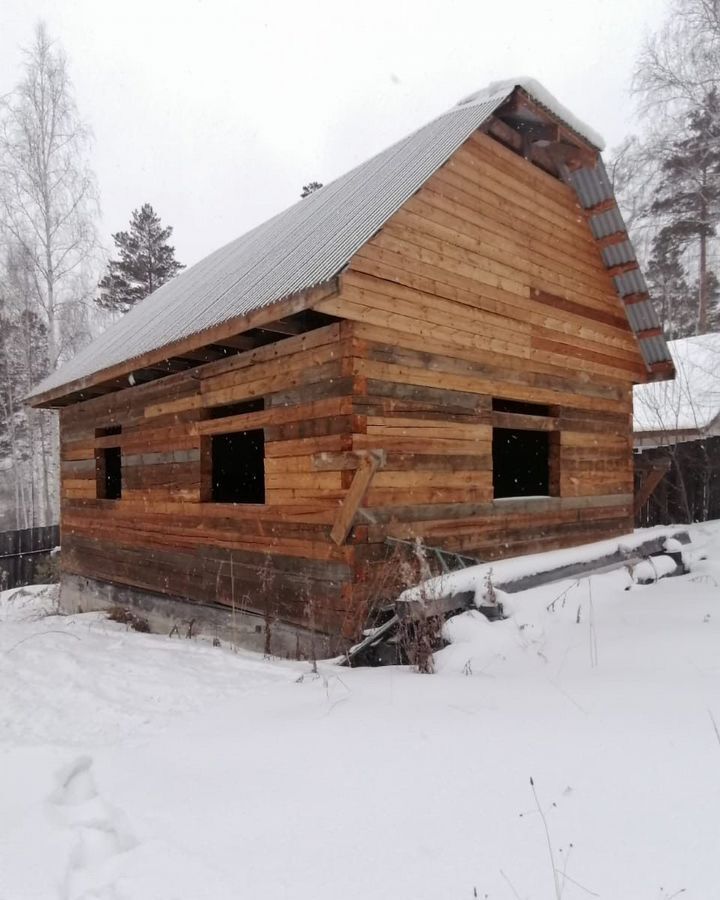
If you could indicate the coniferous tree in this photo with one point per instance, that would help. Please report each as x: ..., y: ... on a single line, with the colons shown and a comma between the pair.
x: 673, y: 296
x: 689, y: 196
x: 146, y: 262
x: 310, y: 188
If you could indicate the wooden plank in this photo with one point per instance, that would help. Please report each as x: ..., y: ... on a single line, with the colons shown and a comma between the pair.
x: 334, y: 406
x: 517, y: 421
x: 354, y: 497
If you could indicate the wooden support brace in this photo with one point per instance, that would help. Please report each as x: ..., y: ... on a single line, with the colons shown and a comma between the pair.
x: 653, y: 478
x: 354, y: 497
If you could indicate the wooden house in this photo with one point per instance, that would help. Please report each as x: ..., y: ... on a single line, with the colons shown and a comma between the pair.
x: 677, y: 437
x: 440, y: 344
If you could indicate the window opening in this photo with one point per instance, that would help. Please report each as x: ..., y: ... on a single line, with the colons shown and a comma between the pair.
x: 521, y: 457
x: 108, y: 466
x: 237, y: 458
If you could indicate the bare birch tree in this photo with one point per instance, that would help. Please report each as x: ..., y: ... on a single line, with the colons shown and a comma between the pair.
x: 47, y: 190
x: 680, y: 64
x: 48, y: 205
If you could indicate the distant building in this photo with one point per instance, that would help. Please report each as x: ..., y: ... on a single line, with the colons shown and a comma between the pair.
x: 678, y: 423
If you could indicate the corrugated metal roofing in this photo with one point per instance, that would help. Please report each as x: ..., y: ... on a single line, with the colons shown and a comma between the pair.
x: 607, y: 223
x: 617, y: 254
x: 306, y: 245
x: 593, y: 187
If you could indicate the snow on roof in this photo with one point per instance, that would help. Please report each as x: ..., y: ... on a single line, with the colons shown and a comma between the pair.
x: 692, y: 400
x: 302, y: 247
x: 543, y: 96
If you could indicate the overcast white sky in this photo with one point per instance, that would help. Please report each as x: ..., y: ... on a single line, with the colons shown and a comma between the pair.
x: 218, y: 111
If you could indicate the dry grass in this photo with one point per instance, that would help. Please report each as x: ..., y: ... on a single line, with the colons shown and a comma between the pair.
x: 125, y: 616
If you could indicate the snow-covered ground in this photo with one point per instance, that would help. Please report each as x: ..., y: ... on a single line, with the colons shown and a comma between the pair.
x: 138, y: 767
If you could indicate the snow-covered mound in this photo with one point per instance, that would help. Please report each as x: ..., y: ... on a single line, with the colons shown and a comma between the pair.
x: 140, y: 767
x: 515, y: 569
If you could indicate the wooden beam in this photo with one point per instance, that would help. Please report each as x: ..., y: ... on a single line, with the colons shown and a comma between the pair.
x: 638, y: 297
x: 566, y: 134
x: 649, y: 333
x: 612, y: 240
x: 571, y: 155
x: 541, y: 144
x: 653, y: 478
x: 601, y: 207
x: 238, y: 342
x: 614, y: 271
x: 204, y: 354
x: 662, y: 371
x: 345, y: 459
x: 356, y: 493
x: 538, y: 131
x: 285, y: 326
x: 505, y: 134
x: 172, y: 365
x: 521, y: 422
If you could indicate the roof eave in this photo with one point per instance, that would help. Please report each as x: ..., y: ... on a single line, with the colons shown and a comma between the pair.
x: 54, y: 397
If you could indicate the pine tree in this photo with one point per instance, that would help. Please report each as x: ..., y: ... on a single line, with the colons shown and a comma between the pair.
x: 146, y: 262
x: 310, y: 188
x: 667, y: 280
x: 689, y: 194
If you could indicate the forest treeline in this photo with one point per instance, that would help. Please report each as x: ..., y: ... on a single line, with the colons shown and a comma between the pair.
x: 57, y: 288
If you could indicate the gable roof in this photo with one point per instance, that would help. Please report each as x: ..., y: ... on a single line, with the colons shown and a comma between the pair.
x: 689, y: 407
x: 311, y: 243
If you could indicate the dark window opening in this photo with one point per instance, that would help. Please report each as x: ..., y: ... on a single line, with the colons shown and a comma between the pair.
x: 113, y: 473
x: 237, y: 458
x: 520, y: 407
x: 521, y: 463
x: 237, y: 409
x: 108, y: 464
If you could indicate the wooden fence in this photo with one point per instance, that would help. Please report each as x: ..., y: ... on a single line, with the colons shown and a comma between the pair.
x: 21, y: 552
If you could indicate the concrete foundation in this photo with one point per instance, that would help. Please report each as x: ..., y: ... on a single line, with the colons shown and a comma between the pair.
x: 169, y: 614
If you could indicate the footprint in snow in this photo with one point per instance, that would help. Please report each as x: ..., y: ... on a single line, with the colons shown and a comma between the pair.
x: 100, y: 832
x: 75, y: 783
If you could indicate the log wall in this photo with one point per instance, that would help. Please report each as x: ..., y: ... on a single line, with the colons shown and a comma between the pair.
x: 163, y: 536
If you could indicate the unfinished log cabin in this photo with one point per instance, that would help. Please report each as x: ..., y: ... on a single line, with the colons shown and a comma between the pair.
x: 441, y: 344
